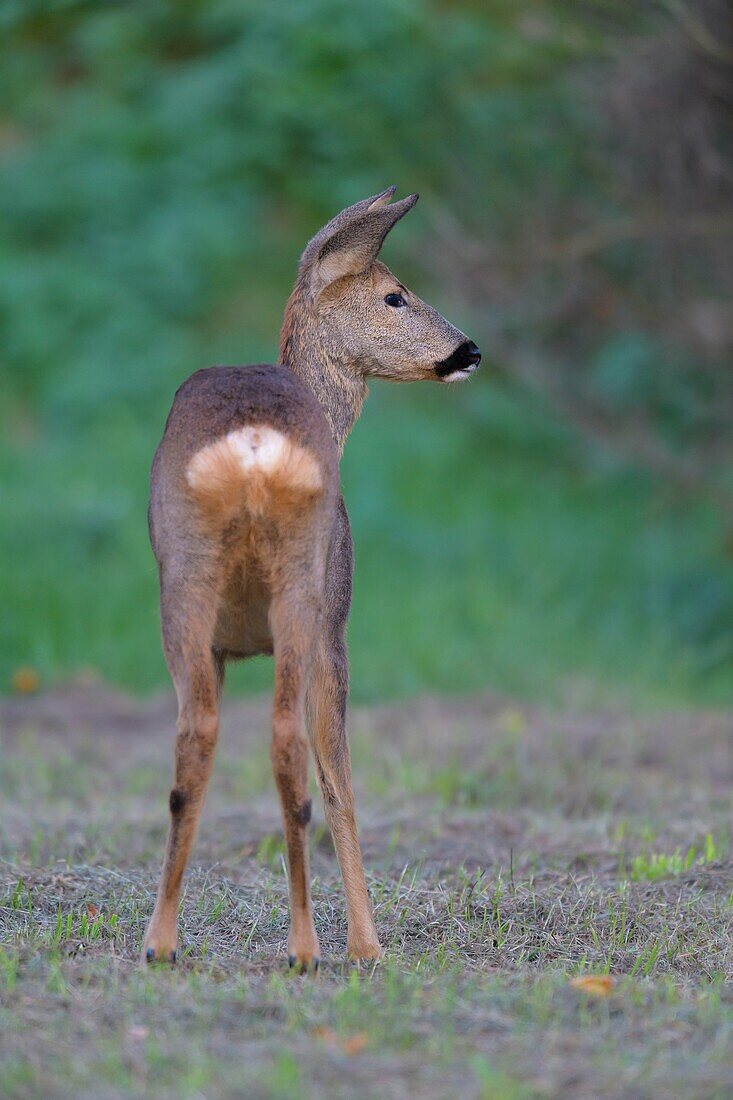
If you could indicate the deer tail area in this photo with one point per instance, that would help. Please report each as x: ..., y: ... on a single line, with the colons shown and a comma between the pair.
x: 253, y: 468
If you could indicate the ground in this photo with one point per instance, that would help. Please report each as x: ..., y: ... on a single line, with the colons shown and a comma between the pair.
x: 510, y: 851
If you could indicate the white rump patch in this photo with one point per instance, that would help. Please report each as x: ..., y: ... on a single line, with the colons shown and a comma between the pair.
x: 259, y: 446
x: 255, y: 448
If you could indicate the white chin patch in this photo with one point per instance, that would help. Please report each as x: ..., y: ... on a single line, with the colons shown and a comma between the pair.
x: 458, y: 375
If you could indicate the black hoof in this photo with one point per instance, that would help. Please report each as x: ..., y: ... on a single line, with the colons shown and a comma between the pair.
x: 303, y: 968
x: 151, y: 957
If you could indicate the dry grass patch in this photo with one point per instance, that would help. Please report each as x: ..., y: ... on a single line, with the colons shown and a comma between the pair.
x: 510, y: 851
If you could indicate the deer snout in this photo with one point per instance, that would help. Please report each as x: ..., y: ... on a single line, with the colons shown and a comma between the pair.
x: 460, y: 363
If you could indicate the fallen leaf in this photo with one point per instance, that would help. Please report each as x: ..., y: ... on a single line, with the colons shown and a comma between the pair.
x: 354, y: 1044
x: 345, y: 1044
x: 25, y: 680
x: 92, y: 910
x: 594, y: 985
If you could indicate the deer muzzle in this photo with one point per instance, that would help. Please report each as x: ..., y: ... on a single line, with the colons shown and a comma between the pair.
x: 460, y: 364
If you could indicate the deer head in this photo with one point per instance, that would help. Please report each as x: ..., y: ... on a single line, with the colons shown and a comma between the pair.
x: 349, y: 318
x: 383, y: 328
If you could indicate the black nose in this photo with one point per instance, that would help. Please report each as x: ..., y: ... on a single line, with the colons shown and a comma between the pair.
x: 472, y: 353
x: 465, y: 358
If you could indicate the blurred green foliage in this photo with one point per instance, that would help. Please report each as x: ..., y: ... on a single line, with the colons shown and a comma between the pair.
x: 162, y: 165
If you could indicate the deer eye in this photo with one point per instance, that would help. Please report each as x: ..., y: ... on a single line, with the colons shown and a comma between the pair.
x: 395, y: 300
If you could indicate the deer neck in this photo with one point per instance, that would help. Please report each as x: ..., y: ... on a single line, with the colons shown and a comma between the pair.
x: 307, y: 348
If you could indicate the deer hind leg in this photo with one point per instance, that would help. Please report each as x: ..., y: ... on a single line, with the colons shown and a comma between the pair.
x: 327, y: 694
x: 294, y: 617
x: 198, y: 676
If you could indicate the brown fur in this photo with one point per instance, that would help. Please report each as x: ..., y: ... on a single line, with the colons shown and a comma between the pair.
x: 254, y: 549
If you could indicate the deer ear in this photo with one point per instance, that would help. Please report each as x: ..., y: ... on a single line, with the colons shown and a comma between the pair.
x: 352, y: 240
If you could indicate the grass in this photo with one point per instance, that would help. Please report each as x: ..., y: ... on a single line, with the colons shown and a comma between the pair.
x: 547, y: 576
x: 510, y: 850
x: 656, y: 865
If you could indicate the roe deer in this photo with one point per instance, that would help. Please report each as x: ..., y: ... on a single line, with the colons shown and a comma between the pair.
x: 254, y: 549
